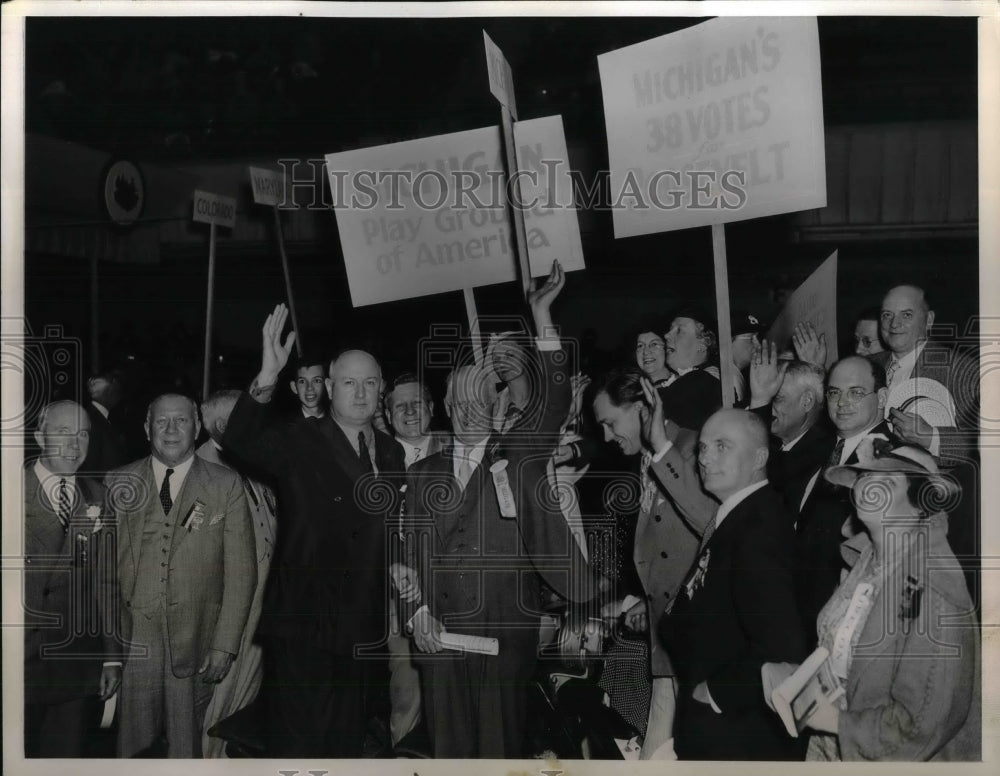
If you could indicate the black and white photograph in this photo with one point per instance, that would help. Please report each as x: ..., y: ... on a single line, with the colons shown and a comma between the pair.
x: 526, y: 383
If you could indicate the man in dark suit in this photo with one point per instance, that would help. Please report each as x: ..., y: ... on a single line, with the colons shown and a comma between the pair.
x: 187, y: 568
x: 409, y: 409
x: 694, y: 392
x: 107, y: 445
x: 326, y: 593
x: 737, y: 608
x: 790, y: 397
x: 70, y: 660
x: 487, y: 530
x: 855, y: 400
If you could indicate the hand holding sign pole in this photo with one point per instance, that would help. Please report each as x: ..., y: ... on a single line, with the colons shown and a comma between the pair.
x: 214, y: 210
x: 269, y: 189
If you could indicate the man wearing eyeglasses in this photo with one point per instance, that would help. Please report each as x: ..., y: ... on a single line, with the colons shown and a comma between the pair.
x: 855, y: 401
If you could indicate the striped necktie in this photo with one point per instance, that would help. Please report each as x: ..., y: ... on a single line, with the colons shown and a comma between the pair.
x: 65, y: 505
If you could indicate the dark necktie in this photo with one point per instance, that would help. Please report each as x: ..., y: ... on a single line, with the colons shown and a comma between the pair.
x: 824, y: 485
x: 165, y: 501
x: 363, y: 454
x: 838, y: 450
x: 511, y: 416
x: 65, y: 508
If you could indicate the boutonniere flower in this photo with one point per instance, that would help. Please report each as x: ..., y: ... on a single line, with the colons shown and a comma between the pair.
x: 81, y: 547
x: 698, y: 577
x: 495, y: 452
x: 94, y: 513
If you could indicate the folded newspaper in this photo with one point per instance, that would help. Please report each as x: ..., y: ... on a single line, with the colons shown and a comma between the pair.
x: 798, y: 696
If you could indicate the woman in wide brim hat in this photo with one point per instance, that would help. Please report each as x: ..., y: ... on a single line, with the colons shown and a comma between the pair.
x: 901, y: 629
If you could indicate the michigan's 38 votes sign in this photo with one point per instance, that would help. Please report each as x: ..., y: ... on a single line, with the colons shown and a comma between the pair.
x: 719, y: 122
x: 428, y: 216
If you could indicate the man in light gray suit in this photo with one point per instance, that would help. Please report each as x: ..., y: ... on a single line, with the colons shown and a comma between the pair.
x: 187, y: 571
x: 673, y: 515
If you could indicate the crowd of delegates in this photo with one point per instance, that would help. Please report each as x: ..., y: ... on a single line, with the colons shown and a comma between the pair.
x: 294, y: 585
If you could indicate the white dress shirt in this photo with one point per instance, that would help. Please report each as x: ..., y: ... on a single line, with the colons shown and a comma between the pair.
x: 50, y: 484
x: 414, y: 451
x: 176, y: 479
x: 471, y: 453
x: 734, y: 500
x: 352, y: 437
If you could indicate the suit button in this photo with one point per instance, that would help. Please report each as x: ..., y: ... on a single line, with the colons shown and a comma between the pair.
x: 46, y: 591
x: 666, y: 594
x: 338, y: 499
x: 663, y: 553
x: 658, y: 518
x: 444, y: 596
x: 354, y: 534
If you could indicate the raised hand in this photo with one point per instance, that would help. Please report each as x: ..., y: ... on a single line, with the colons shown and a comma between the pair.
x: 274, y: 354
x: 654, y: 437
x: 540, y: 299
x: 766, y: 373
x: 809, y: 346
x: 912, y: 428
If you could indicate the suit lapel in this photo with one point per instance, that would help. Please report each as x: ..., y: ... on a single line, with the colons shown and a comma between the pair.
x: 341, y: 447
x: 194, y: 486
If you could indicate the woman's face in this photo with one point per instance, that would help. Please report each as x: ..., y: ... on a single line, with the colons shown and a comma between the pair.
x: 877, y: 495
x: 650, y: 355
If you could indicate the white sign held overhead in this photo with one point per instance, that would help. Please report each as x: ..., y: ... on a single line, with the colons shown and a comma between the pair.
x: 428, y: 216
x: 501, y: 78
x: 815, y: 302
x: 214, y: 209
x: 717, y: 123
x: 268, y: 186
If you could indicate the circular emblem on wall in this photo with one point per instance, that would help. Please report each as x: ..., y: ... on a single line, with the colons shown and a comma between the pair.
x: 124, y: 192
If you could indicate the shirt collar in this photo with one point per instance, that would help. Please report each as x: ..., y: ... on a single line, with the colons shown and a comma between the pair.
x: 851, y: 443
x: 306, y: 415
x: 352, y: 435
x: 180, y: 472
x: 906, y: 363
x: 786, y: 446
x: 50, y: 482
x: 100, y: 408
x: 472, y: 453
x: 734, y: 501
x: 410, y: 448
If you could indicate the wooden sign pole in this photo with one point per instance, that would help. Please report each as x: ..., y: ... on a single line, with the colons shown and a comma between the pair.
x: 473, y: 315
x: 726, y: 365
x: 207, y: 366
x: 288, y: 283
x: 514, y: 191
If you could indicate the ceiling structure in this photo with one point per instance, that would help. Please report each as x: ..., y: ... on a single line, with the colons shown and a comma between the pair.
x: 176, y: 90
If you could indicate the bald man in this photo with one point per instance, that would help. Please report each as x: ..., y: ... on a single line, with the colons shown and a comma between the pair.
x: 737, y: 606
x: 326, y: 592
x: 69, y: 661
